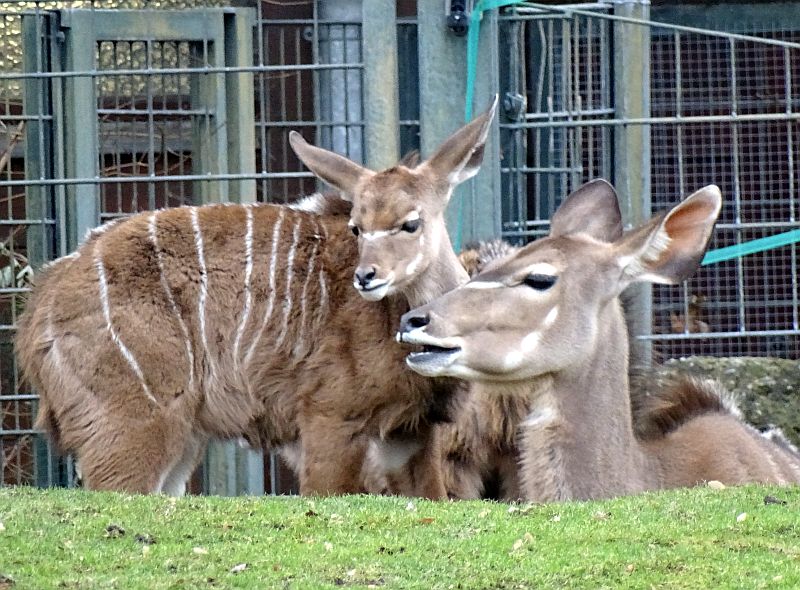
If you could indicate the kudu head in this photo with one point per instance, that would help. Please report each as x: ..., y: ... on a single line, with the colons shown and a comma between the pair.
x: 398, y: 213
x: 540, y: 310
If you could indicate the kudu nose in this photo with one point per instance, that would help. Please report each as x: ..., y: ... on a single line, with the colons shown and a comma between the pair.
x: 414, y: 320
x: 365, y: 275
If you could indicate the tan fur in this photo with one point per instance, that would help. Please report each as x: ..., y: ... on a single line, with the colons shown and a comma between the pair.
x: 545, y: 325
x: 157, y: 335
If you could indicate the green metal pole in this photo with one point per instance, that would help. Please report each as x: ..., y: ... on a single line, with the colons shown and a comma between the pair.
x: 381, y: 97
x: 240, y: 106
x: 474, y: 211
x: 631, y: 70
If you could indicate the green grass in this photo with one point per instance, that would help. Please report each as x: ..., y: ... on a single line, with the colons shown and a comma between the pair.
x: 681, y: 539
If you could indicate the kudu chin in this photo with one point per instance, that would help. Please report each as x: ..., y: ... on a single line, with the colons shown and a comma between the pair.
x: 543, y: 328
x: 173, y: 327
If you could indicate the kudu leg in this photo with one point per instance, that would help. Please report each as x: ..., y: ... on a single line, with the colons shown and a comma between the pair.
x: 136, y: 456
x: 333, y: 457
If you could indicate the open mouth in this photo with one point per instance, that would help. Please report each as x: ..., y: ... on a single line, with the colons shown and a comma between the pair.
x: 434, y: 356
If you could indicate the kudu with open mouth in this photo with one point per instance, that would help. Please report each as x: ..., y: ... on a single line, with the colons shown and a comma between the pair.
x: 171, y: 327
x: 544, y: 325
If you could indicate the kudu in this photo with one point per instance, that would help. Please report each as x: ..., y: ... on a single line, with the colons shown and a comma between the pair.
x: 545, y: 325
x: 172, y: 327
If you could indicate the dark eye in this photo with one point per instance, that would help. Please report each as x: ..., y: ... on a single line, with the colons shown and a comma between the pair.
x: 355, y: 230
x: 411, y: 225
x: 540, y: 282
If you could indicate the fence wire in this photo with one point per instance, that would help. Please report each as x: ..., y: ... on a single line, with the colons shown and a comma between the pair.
x: 723, y: 110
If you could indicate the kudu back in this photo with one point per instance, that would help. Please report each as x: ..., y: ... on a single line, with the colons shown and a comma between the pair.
x: 171, y: 327
x: 545, y: 326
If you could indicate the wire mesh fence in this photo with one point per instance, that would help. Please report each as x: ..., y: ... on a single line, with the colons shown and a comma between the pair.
x: 723, y: 110
x: 166, y: 116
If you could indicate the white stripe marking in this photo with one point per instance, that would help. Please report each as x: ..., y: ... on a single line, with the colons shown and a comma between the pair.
x: 483, y: 285
x: 201, y: 303
x: 273, y: 263
x: 287, y: 297
x: 104, y: 300
x: 299, y: 346
x: 151, y: 229
x: 248, y: 295
x: 542, y: 268
x: 374, y: 235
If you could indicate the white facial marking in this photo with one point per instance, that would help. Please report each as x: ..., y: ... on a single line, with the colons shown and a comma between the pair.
x: 374, y: 235
x: 542, y: 268
x: 248, y: 272
x: 287, y: 301
x: 153, y: 234
x: 413, y: 265
x: 512, y: 359
x: 483, y: 285
x: 530, y: 341
x: 106, y: 304
x: 413, y: 216
x: 273, y: 262
x: 550, y: 318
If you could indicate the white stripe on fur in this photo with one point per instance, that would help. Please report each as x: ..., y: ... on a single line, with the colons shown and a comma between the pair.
x: 248, y: 295
x: 287, y: 296
x: 152, y: 232
x: 105, y: 302
x: 273, y: 262
x: 201, y: 300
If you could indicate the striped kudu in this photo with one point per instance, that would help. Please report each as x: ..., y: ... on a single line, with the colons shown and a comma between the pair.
x: 544, y: 325
x: 171, y: 327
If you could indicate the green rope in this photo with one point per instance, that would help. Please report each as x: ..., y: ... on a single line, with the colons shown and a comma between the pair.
x: 751, y: 247
x: 473, y: 41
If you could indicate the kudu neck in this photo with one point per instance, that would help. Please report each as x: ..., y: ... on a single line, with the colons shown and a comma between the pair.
x: 602, y: 456
x: 444, y: 273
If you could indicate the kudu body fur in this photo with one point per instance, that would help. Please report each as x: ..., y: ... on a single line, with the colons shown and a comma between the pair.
x: 172, y: 327
x: 545, y: 326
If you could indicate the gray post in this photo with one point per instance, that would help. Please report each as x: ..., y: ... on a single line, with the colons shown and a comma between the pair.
x: 340, y: 90
x: 632, y: 149
x: 381, y: 100
x: 240, y: 106
x: 80, y: 123
x: 474, y: 210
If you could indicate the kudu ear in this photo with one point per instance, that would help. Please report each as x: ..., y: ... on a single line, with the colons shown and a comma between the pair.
x: 410, y: 160
x: 591, y: 209
x: 460, y: 156
x: 668, y: 248
x: 336, y: 170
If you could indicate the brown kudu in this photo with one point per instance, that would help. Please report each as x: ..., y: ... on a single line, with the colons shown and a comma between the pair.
x: 544, y: 325
x: 171, y: 327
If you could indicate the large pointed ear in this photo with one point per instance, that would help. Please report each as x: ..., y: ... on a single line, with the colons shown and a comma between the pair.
x: 668, y: 248
x: 336, y: 170
x: 591, y: 209
x: 410, y: 160
x: 460, y: 156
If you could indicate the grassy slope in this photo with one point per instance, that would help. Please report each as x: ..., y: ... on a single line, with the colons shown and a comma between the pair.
x: 682, y: 539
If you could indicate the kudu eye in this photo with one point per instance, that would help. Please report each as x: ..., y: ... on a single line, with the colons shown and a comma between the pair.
x: 411, y: 225
x: 355, y: 230
x: 540, y: 282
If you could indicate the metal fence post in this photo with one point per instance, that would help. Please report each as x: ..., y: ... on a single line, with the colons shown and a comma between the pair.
x: 80, y: 125
x: 240, y: 106
x: 474, y: 211
x: 381, y: 95
x: 632, y: 150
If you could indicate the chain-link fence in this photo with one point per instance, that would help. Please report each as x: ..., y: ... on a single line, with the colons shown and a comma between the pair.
x: 112, y: 107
